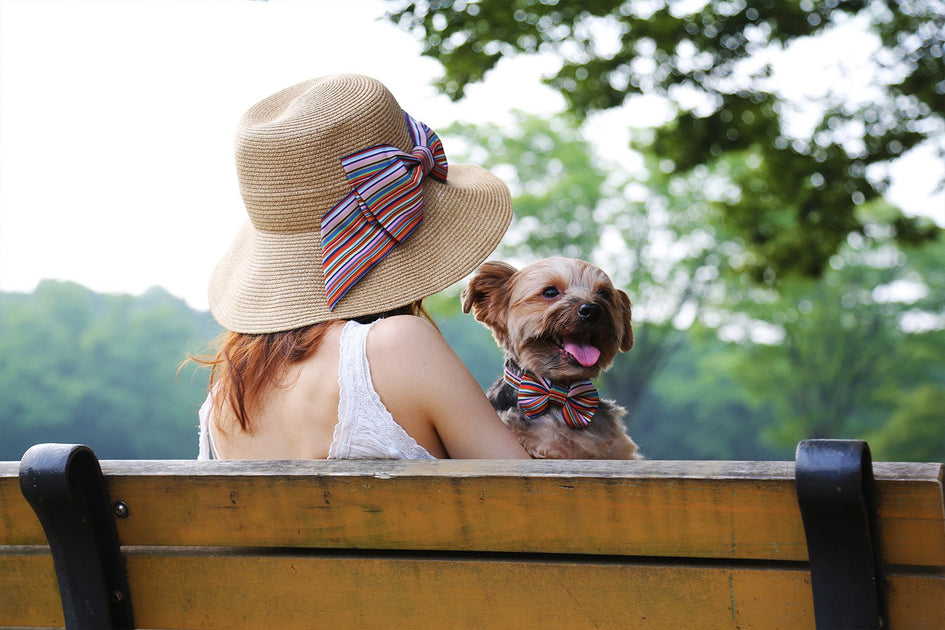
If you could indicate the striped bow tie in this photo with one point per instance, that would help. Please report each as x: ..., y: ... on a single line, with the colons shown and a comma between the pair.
x: 384, y: 206
x: 578, y: 402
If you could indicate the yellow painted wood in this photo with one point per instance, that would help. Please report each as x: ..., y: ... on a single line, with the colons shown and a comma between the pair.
x: 690, y: 509
x: 302, y: 592
x: 757, y: 519
x: 916, y: 601
x: 29, y: 592
x: 672, y: 509
x: 912, y: 520
x: 700, y: 509
x: 18, y: 523
x: 661, y: 510
x: 171, y: 591
x: 402, y: 592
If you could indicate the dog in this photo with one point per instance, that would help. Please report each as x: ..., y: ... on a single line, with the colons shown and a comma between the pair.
x: 560, y: 322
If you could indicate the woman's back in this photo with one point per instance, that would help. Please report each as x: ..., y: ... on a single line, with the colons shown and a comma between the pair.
x: 294, y: 421
x: 417, y: 379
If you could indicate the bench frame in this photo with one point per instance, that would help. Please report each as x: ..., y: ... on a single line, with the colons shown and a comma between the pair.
x: 836, y: 495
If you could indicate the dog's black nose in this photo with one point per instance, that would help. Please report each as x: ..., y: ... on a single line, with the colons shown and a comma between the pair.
x: 588, y: 311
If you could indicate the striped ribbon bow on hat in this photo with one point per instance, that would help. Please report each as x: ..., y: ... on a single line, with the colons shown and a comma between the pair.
x: 384, y: 206
x: 578, y: 402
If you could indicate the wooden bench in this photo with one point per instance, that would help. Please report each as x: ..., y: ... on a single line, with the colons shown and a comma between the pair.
x: 472, y: 544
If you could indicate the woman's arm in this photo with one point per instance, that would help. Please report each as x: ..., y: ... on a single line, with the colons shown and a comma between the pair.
x: 432, y: 395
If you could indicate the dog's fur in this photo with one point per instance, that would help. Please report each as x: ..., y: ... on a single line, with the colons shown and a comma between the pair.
x: 533, y: 313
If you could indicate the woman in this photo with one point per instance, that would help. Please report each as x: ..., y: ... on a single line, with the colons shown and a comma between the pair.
x: 354, y: 217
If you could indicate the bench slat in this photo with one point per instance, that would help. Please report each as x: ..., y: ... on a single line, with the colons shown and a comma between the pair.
x: 410, y: 593
x: 169, y: 588
x: 626, y: 508
x: 29, y: 593
x: 685, y: 510
x: 18, y: 522
x: 756, y: 519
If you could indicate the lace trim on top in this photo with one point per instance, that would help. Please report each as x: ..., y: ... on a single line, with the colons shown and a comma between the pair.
x: 365, y: 429
x: 205, y: 441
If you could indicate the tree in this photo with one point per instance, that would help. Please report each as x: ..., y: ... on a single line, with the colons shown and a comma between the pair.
x: 916, y: 430
x: 467, y: 337
x: 859, y: 353
x: 724, y: 367
x: 698, y: 408
x: 76, y: 366
x: 651, y: 235
x: 798, y: 199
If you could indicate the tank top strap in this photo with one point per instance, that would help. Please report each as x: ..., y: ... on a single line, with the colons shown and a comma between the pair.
x: 352, y: 363
x: 205, y: 441
x: 365, y: 429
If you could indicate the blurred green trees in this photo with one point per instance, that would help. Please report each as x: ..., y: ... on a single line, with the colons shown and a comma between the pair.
x: 76, y: 366
x: 724, y: 367
x: 813, y: 155
x: 777, y: 295
x: 857, y: 356
x: 857, y: 349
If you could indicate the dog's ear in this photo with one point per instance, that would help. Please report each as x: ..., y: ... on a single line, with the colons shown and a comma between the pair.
x: 623, y: 310
x: 487, y: 296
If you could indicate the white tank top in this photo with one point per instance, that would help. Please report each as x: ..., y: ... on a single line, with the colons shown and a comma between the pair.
x: 365, y: 428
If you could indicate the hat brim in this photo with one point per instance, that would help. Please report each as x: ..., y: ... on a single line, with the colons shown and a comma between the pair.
x: 270, y: 282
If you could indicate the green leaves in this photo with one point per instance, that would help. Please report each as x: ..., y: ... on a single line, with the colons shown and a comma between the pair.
x: 724, y: 367
x: 76, y: 366
x: 713, y: 62
x: 556, y: 184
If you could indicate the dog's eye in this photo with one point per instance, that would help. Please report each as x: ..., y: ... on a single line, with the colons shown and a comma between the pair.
x: 604, y: 293
x: 550, y: 292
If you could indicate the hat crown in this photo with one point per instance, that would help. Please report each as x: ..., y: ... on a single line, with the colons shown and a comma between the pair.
x: 289, y: 152
x: 289, y: 147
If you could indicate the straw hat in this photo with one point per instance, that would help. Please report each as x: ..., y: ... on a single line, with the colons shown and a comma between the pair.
x: 289, y: 152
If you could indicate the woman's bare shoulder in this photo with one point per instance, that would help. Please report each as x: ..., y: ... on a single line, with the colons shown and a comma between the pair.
x: 432, y: 395
x: 404, y: 332
x: 410, y: 350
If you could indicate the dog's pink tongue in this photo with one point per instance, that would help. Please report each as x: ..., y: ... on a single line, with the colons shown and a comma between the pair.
x: 584, y: 353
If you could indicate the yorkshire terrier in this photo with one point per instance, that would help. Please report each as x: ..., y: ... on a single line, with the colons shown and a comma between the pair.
x: 560, y: 323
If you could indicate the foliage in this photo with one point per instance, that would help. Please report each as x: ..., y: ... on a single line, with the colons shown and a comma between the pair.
x: 818, y: 358
x: 557, y: 187
x: 711, y: 62
x: 652, y: 237
x: 852, y: 361
x: 916, y: 430
x: 76, y: 366
x: 697, y: 408
x: 81, y: 367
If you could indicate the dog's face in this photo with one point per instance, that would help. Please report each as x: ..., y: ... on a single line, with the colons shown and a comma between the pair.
x: 560, y: 318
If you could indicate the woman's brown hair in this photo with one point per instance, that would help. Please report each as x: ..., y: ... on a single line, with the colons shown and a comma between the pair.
x: 246, y: 366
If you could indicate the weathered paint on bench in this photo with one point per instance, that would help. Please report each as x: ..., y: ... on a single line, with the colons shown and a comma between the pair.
x: 556, y: 544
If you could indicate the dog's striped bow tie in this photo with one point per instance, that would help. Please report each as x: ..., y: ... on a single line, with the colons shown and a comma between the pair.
x: 578, y: 402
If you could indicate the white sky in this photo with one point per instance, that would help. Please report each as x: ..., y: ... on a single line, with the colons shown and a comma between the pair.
x: 117, y: 122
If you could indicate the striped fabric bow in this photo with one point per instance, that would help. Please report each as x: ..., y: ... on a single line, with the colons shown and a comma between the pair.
x: 578, y: 402
x: 384, y: 206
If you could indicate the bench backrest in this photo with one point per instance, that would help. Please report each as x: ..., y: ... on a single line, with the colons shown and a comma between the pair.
x: 551, y: 544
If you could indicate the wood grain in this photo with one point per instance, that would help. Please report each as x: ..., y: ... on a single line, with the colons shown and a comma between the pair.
x: 551, y: 544
x: 29, y: 593
x: 426, y: 593
x: 446, y: 592
x: 672, y: 509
